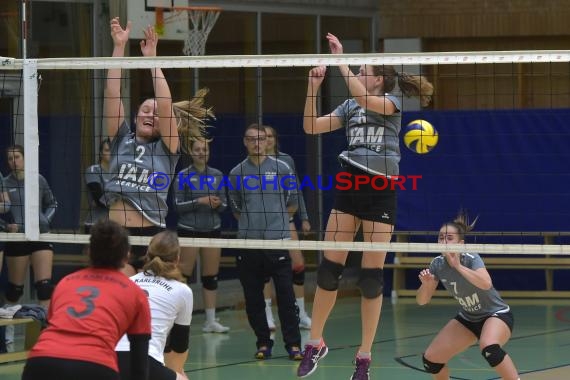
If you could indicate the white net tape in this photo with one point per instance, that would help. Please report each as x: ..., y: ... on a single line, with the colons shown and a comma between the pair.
x: 292, y: 60
x: 316, y: 245
x: 201, y: 24
x: 206, y: 24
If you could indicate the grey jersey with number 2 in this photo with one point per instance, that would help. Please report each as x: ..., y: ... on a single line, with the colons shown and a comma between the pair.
x: 373, y: 138
x: 131, y: 166
x: 476, y: 304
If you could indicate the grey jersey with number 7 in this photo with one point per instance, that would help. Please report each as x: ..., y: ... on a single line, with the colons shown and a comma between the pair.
x: 476, y: 304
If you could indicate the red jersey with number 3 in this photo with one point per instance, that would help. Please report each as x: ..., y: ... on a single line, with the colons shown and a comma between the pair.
x: 89, y: 312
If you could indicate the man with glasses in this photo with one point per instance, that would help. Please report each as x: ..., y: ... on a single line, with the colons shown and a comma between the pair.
x: 263, y: 197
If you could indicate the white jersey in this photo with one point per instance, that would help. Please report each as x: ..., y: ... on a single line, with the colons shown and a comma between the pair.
x: 170, y: 302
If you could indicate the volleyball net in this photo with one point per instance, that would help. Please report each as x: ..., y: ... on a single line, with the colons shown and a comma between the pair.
x: 502, y: 120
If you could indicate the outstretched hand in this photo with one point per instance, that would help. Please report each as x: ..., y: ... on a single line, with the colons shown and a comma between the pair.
x: 148, y: 45
x: 334, y: 44
x: 426, y: 277
x: 317, y: 75
x: 120, y: 36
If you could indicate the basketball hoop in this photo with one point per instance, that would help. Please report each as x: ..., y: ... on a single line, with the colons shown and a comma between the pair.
x: 201, y: 20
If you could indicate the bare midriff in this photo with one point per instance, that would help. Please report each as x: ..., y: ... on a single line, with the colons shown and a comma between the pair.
x: 126, y: 215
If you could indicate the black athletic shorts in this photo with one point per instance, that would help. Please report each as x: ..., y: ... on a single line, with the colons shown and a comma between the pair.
x: 25, y: 248
x: 156, y: 370
x: 477, y: 327
x: 366, y: 203
x: 42, y: 368
x: 215, y: 234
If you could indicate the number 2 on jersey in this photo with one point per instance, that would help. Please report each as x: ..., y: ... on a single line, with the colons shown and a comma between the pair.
x: 140, y: 150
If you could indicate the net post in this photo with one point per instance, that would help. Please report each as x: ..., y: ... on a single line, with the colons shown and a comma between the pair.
x: 31, y: 144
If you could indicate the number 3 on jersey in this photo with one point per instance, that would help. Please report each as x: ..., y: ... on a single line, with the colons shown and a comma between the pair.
x: 87, y: 294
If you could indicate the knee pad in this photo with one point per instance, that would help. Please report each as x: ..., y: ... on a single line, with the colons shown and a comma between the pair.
x: 371, y: 282
x: 210, y: 282
x: 14, y: 292
x: 329, y: 275
x: 493, y: 354
x: 44, y: 289
x: 299, y: 275
x: 431, y: 367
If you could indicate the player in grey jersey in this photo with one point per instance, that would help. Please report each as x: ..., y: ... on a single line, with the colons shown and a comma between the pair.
x: 19, y: 254
x: 297, y: 258
x: 199, y: 202
x: 143, y: 163
x: 483, y: 316
x: 263, y: 200
x: 372, y: 119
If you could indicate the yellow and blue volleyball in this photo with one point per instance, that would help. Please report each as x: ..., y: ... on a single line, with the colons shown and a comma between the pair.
x: 420, y: 136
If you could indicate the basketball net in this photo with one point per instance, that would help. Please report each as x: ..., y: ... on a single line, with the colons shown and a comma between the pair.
x: 201, y: 23
x: 201, y: 20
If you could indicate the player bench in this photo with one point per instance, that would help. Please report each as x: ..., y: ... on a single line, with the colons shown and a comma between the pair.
x: 404, y: 262
x: 32, y: 331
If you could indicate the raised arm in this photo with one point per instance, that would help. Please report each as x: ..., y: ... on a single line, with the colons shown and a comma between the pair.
x: 479, y: 277
x: 313, y: 124
x: 427, y: 288
x: 113, y: 109
x: 166, y: 120
x: 366, y: 100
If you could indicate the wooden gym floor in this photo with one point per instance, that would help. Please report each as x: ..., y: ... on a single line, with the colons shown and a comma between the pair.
x: 539, y: 347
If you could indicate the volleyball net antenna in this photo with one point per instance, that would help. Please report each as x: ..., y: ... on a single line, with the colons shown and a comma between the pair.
x: 501, y: 118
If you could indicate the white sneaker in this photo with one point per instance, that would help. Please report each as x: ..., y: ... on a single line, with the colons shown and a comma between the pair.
x: 9, y: 311
x: 215, y: 327
x: 270, y: 320
x: 304, y: 322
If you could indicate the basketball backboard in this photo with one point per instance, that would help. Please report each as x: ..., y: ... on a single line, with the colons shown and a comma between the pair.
x: 144, y: 12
